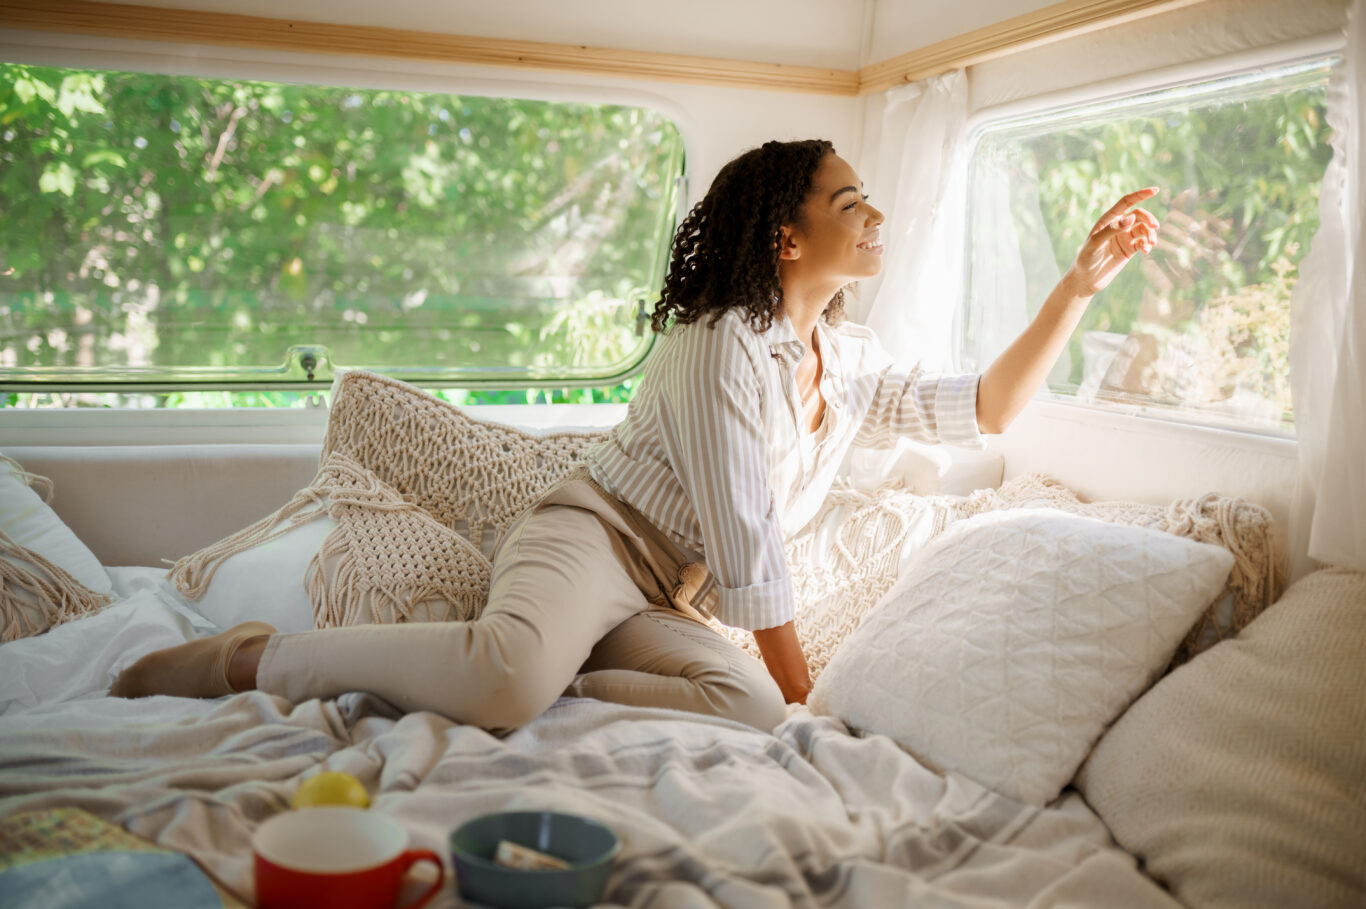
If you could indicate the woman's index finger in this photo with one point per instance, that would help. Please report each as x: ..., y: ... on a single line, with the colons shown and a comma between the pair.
x: 1126, y: 202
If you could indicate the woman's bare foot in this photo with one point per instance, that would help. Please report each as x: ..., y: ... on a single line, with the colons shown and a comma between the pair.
x: 207, y: 668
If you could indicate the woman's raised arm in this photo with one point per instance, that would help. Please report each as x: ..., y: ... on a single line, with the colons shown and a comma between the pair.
x: 1017, y: 373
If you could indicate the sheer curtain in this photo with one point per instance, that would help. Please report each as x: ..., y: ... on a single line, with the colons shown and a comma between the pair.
x: 920, y: 168
x: 1328, y: 340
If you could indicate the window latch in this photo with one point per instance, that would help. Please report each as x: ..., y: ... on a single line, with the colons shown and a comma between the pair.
x: 642, y: 318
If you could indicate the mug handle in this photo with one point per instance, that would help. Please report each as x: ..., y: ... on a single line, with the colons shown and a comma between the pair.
x: 410, y: 858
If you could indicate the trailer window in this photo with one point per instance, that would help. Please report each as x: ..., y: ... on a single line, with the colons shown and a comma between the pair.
x: 1199, y: 329
x: 173, y: 234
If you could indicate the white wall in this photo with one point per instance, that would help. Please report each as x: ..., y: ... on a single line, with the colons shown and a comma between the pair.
x: 905, y: 25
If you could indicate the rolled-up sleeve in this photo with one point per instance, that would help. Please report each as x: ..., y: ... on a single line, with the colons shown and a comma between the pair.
x: 927, y: 408
x: 721, y: 457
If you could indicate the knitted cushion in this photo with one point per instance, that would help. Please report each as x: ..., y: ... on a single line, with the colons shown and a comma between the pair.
x: 47, y: 575
x: 473, y: 476
x: 421, y: 494
x: 346, y: 550
x: 1240, y: 778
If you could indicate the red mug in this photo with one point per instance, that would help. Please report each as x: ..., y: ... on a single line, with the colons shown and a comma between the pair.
x: 335, y: 858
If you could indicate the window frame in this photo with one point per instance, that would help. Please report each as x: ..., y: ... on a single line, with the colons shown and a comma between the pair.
x: 1114, y: 90
x: 359, y: 72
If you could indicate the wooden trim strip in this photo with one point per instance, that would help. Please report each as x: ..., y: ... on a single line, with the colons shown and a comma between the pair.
x: 154, y: 23
x: 1053, y: 23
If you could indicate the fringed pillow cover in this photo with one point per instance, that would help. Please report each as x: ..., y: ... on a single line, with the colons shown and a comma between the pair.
x: 400, y: 524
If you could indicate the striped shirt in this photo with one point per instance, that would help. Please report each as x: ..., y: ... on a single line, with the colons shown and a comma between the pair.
x: 713, y: 450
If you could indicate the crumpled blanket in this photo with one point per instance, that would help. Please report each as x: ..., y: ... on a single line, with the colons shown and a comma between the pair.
x: 711, y: 813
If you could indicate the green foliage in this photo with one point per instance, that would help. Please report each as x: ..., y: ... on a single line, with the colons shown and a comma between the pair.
x: 1239, y: 170
x: 211, y: 226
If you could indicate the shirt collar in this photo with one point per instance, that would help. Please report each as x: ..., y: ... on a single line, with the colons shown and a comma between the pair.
x: 782, y: 339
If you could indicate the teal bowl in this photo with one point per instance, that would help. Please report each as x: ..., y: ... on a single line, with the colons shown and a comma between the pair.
x: 589, y: 847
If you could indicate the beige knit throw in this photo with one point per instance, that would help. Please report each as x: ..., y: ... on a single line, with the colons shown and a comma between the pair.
x: 386, y: 561
x: 35, y: 593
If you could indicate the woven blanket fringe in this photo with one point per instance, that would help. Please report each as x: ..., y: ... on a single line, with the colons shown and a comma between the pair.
x: 57, y: 597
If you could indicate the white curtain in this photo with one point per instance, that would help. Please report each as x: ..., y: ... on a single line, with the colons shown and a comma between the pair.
x: 1328, y: 340
x: 920, y: 167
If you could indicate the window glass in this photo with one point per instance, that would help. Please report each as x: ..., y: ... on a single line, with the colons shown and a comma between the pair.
x: 1199, y: 329
x: 167, y: 232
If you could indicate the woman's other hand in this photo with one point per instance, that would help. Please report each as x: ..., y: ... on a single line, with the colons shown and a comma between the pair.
x: 1117, y: 237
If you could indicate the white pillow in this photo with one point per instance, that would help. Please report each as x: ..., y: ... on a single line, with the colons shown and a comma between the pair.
x: 1015, y: 638
x: 266, y: 583
x: 31, y: 523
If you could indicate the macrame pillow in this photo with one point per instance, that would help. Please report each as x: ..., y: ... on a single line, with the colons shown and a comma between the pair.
x: 346, y: 550
x: 473, y: 476
x: 858, y: 545
x: 420, y: 495
x: 47, y: 575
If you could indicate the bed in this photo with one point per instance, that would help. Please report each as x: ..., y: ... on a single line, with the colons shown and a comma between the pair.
x: 858, y: 800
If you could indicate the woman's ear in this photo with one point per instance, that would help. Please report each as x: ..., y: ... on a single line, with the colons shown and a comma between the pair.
x: 787, y: 244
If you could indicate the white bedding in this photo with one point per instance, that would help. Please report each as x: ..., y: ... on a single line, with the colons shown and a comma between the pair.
x: 711, y: 813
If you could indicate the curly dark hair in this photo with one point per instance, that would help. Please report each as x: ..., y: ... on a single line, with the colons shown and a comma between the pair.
x: 725, y: 253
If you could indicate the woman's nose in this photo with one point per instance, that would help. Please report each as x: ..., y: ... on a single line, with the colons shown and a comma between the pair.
x: 874, y: 215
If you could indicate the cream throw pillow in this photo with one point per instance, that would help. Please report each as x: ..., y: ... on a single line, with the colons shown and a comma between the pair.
x: 1014, y: 638
x: 1240, y: 779
x: 47, y: 575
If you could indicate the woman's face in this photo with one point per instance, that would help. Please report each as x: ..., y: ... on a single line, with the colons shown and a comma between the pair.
x: 838, y: 239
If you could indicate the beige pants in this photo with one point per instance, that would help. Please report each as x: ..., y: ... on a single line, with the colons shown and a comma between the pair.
x: 574, y: 608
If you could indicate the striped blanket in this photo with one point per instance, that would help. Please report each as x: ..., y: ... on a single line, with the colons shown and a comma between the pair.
x: 711, y: 813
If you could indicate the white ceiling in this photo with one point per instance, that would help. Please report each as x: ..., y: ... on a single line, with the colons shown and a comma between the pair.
x: 841, y: 34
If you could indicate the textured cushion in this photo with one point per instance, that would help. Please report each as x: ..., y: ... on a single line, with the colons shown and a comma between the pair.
x: 1014, y: 638
x: 48, y: 576
x: 1240, y: 778
x: 346, y: 550
x: 473, y: 476
x: 414, y: 495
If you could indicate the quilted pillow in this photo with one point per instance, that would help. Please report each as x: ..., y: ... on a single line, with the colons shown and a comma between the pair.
x: 1015, y: 638
x: 346, y: 550
x: 1239, y: 778
x: 47, y: 575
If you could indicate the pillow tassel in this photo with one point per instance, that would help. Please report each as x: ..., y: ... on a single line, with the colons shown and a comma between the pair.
x: 57, y: 596
x: 351, y: 594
